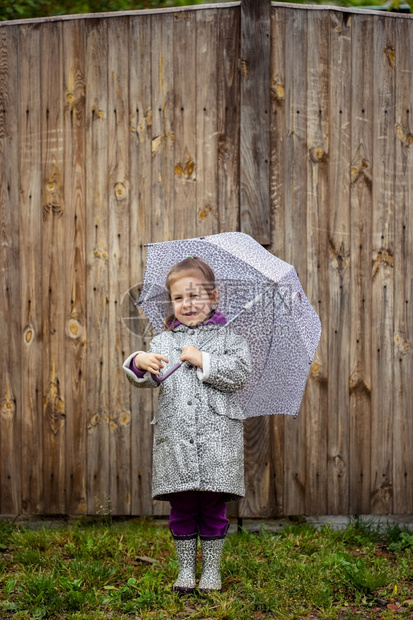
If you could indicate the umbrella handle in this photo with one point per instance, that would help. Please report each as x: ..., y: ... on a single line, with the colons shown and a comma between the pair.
x: 161, y: 378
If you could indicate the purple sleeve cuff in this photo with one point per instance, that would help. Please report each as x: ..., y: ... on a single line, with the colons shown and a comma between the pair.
x: 138, y: 372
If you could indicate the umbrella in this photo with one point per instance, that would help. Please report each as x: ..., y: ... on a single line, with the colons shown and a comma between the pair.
x: 262, y: 299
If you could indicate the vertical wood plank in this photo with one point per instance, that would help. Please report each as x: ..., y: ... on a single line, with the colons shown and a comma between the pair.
x: 140, y: 106
x: 295, y: 227
x: 75, y: 263
x: 228, y: 121
x: 403, y: 273
x: 162, y: 128
x: 185, y: 166
x: 255, y: 23
x: 97, y: 255
x: 362, y: 115
x: 10, y: 384
x: 278, y: 124
x: 339, y: 271
x: 382, y: 267
x: 255, y: 119
x: 163, y: 151
x: 119, y: 244
x: 31, y: 271
x: 277, y: 176
x: 53, y: 267
x: 206, y: 122
x: 317, y: 290
x: 260, y: 496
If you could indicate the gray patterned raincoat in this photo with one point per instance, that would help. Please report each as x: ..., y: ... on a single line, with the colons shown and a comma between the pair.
x: 198, y: 440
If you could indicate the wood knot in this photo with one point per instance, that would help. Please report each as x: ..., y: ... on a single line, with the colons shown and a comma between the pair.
x: 186, y: 170
x: 318, y: 155
x: 144, y: 123
x: 317, y: 374
x: 95, y: 420
x: 359, y: 170
x: 76, y: 97
x: 403, y: 345
x: 404, y: 135
x: 391, y: 55
x: 73, y: 328
x: 382, y: 493
x: 340, y: 465
x: 384, y: 258
x: 124, y: 418
x: 101, y: 254
x: 28, y: 335
x: 120, y: 191
x: 8, y: 408
x: 339, y: 256
x: 97, y: 114
x: 53, y: 190
x: 277, y: 91
x: 224, y: 145
x: 158, y: 141
x: 53, y: 404
x: 358, y: 386
x: 8, y: 405
x: 205, y: 211
x: 315, y: 368
x: 184, y: 16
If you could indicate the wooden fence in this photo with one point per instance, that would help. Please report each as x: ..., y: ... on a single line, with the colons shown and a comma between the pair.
x: 290, y: 123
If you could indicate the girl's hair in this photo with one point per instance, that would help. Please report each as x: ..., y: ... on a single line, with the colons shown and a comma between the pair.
x: 190, y: 265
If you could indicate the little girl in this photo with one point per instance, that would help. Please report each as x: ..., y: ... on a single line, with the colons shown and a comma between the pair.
x: 198, y: 449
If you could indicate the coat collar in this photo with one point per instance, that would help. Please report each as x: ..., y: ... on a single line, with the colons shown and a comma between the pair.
x: 216, y: 318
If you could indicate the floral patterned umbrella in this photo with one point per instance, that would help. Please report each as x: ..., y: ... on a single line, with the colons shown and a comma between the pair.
x: 262, y: 299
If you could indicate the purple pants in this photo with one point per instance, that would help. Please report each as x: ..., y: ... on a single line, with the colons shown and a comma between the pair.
x: 200, y: 512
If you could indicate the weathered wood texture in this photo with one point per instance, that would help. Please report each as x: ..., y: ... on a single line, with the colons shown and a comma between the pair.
x: 53, y: 269
x: 361, y: 206
x: 10, y: 240
x: 255, y: 119
x: 116, y: 130
x: 74, y: 88
x: 31, y: 310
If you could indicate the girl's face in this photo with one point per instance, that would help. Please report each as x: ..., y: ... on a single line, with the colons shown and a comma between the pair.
x: 192, y: 300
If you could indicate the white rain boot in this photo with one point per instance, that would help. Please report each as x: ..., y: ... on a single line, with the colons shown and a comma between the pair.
x: 186, y: 552
x: 211, y: 561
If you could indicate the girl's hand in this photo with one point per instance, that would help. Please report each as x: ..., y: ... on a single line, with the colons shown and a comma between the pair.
x: 150, y: 361
x: 192, y: 355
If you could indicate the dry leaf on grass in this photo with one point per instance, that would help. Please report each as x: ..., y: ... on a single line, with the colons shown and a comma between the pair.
x: 145, y: 559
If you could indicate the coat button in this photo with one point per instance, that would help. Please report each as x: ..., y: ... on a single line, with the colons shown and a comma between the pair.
x: 191, y: 441
x: 189, y: 402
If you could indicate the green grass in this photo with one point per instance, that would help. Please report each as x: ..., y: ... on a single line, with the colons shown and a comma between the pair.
x: 101, y: 570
